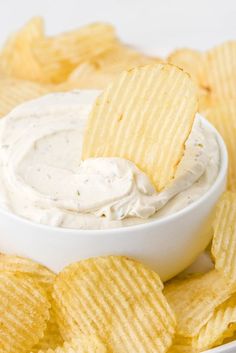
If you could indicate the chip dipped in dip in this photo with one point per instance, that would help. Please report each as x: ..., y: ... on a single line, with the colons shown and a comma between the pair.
x: 44, y: 180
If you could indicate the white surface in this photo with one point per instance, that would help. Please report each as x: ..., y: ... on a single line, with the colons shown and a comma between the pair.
x: 159, y: 24
x: 167, y: 245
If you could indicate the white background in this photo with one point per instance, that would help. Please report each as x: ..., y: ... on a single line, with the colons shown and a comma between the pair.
x: 158, y: 25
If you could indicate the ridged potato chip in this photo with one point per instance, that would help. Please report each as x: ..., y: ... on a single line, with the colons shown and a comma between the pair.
x: 51, y: 338
x: 221, y: 70
x: 82, y: 344
x: 205, y: 100
x: 79, y: 45
x: 223, y: 116
x: 59, y: 55
x: 220, y: 326
x: 121, y: 57
x: 89, y: 76
x: 118, y: 299
x: 181, y: 348
x: 183, y: 345
x: 14, y: 92
x: 104, y: 68
x: 13, y: 263
x: 224, y: 239
x: 24, y: 311
x: 51, y: 59
x: 195, y: 298
x: 17, y: 58
x: 191, y: 61
x: 230, y: 338
x: 145, y: 116
x: 194, y: 62
x: 16, y: 264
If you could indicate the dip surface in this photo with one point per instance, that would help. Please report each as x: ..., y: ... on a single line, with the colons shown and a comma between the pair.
x: 44, y: 180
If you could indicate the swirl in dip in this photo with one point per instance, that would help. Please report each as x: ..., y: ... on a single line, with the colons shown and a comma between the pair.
x: 43, y: 179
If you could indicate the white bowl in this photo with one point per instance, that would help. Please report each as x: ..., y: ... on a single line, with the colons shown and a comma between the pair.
x: 168, y: 245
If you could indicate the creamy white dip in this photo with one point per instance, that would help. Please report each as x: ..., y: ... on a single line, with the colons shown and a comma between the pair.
x: 43, y: 179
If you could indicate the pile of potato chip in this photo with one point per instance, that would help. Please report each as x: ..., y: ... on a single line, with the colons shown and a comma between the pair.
x: 33, y: 64
x: 115, y: 304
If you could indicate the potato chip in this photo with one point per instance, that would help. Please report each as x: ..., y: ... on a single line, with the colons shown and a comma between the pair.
x: 59, y: 55
x: 122, y: 57
x: 230, y: 338
x: 51, y: 59
x: 191, y: 61
x: 88, y: 76
x: 183, y: 345
x: 221, y: 70
x: 51, y: 338
x: 17, y: 58
x: 24, y: 311
x: 222, y: 324
x: 82, y: 344
x: 205, y: 100
x: 223, y: 116
x: 132, y: 119
x: 117, y: 298
x: 104, y: 68
x: 194, y: 62
x: 13, y: 263
x: 224, y: 240
x: 14, y: 92
x: 45, y: 277
x: 195, y: 298
x: 181, y: 348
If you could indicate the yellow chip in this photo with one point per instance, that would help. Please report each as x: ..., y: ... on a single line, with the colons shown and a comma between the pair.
x: 222, y: 324
x: 205, y: 100
x: 14, y: 92
x: 17, y: 58
x: 223, y: 116
x: 16, y: 264
x: 224, y: 239
x: 82, y: 44
x: 13, y: 263
x: 121, y: 57
x: 192, y: 61
x: 145, y: 116
x: 221, y: 70
x: 24, y: 311
x: 104, y: 68
x: 59, y: 55
x: 51, y: 59
x: 89, y: 76
x: 51, y: 338
x: 116, y: 298
x: 82, y: 344
x: 194, y: 300
x: 230, y: 339
x: 181, y: 348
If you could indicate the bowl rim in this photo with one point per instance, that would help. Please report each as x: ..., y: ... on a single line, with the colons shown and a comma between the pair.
x: 142, y: 226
